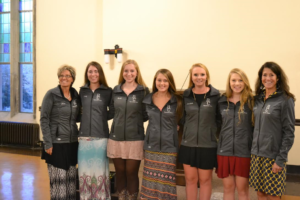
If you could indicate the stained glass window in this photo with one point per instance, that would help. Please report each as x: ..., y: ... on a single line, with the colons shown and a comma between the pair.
x: 26, y: 50
x: 4, y: 55
x: 5, y: 87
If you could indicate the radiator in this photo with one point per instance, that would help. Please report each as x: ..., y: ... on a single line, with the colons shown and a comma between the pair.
x: 25, y: 134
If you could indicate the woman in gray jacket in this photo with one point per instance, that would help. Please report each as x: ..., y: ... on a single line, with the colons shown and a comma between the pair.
x: 59, y: 113
x: 163, y: 107
x: 125, y: 144
x: 93, y: 164
x: 235, y: 137
x: 198, y: 150
x: 273, y: 136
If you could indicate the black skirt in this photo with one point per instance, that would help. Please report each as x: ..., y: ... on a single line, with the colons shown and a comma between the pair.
x: 199, y: 157
x: 63, y: 155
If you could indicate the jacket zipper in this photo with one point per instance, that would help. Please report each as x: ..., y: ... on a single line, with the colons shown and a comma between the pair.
x: 91, y: 113
x: 70, y: 121
x: 259, y: 127
x: 125, y: 118
x: 233, y: 129
x: 198, y: 124
x: 160, y: 130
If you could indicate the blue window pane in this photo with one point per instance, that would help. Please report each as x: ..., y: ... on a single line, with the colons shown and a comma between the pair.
x: 1, y: 48
x: 22, y: 38
x: 26, y: 88
x: 27, y: 47
x: 5, y: 88
x: 1, y: 58
x: 27, y: 27
x: 6, y: 28
x: 27, y: 57
x: 1, y: 7
x: 22, y: 27
x: 22, y: 57
x: 27, y: 37
x: 6, y: 57
x: 6, y: 48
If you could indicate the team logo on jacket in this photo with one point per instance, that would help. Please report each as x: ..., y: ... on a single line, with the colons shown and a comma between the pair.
x: 168, y: 109
x: 207, y: 103
x: 191, y: 103
x: 97, y: 98
x: 267, y: 110
x: 133, y: 99
x: 74, y: 104
x: 63, y: 103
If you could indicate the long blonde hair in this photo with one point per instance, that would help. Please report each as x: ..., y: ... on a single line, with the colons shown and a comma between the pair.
x: 191, y: 84
x: 139, y: 80
x: 246, y: 95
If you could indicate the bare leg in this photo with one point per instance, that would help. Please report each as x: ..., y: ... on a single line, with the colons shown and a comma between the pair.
x: 191, y: 179
x: 229, y: 187
x: 205, y: 178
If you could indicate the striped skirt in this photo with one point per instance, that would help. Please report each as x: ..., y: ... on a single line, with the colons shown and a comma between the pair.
x: 159, y: 176
x: 93, y: 169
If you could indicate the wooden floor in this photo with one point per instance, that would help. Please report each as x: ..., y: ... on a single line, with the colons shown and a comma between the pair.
x: 25, y: 177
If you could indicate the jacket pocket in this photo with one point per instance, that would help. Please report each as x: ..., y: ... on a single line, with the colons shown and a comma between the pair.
x: 184, y: 132
x: 213, y: 135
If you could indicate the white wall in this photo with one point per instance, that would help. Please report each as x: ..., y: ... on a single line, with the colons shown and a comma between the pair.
x: 170, y: 34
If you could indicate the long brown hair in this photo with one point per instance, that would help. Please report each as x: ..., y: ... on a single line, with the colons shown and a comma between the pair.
x: 172, y: 90
x: 139, y: 80
x: 246, y: 96
x: 102, y: 79
x: 282, y: 82
x: 191, y: 84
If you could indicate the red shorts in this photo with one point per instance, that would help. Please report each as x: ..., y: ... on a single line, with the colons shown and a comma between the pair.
x: 232, y: 165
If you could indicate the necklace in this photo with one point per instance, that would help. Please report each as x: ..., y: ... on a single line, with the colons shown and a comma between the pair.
x: 67, y: 97
x: 195, y: 97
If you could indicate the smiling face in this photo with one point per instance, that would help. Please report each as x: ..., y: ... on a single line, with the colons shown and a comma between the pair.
x: 269, y: 79
x: 65, y: 79
x: 199, y: 77
x: 93, y: 74
x: 162, y: 83
x: 237, y: 85
x: 129, y: 73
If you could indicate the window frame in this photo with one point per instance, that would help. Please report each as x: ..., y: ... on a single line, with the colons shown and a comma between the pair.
x: 15, y: 113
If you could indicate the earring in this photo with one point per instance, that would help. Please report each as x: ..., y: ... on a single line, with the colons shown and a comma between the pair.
x: 262, y: 87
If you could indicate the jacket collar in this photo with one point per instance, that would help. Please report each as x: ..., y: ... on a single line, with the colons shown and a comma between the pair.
x: 148, y: 99
x: 223, y: 99
x: 274, y: 95
x: 213, y: 91
x: 86, y: 86
x: 57, y: 92
x: 118, y: 88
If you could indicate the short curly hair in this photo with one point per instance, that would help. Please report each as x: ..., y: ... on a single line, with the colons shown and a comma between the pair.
x: 69, y: 68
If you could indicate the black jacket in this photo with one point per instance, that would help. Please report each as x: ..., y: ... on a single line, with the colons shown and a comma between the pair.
x: 200, y: 123
x: 94, y: 111
x: 59, y: 116
x: 236, y: 134
x: 274, y: 127
x: 129, y: 114
x: 161, y: 134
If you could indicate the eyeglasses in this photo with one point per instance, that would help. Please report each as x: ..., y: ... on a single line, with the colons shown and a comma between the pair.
x: 66, y: 76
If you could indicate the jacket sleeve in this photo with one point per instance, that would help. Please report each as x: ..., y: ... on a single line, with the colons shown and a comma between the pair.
x: 111, y: 107
x: 78, y: 119
x: 145, y: 115
x: 218, y: 120
x: 182, y: 120
x: 45, y: 119
x: 288, y: 129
